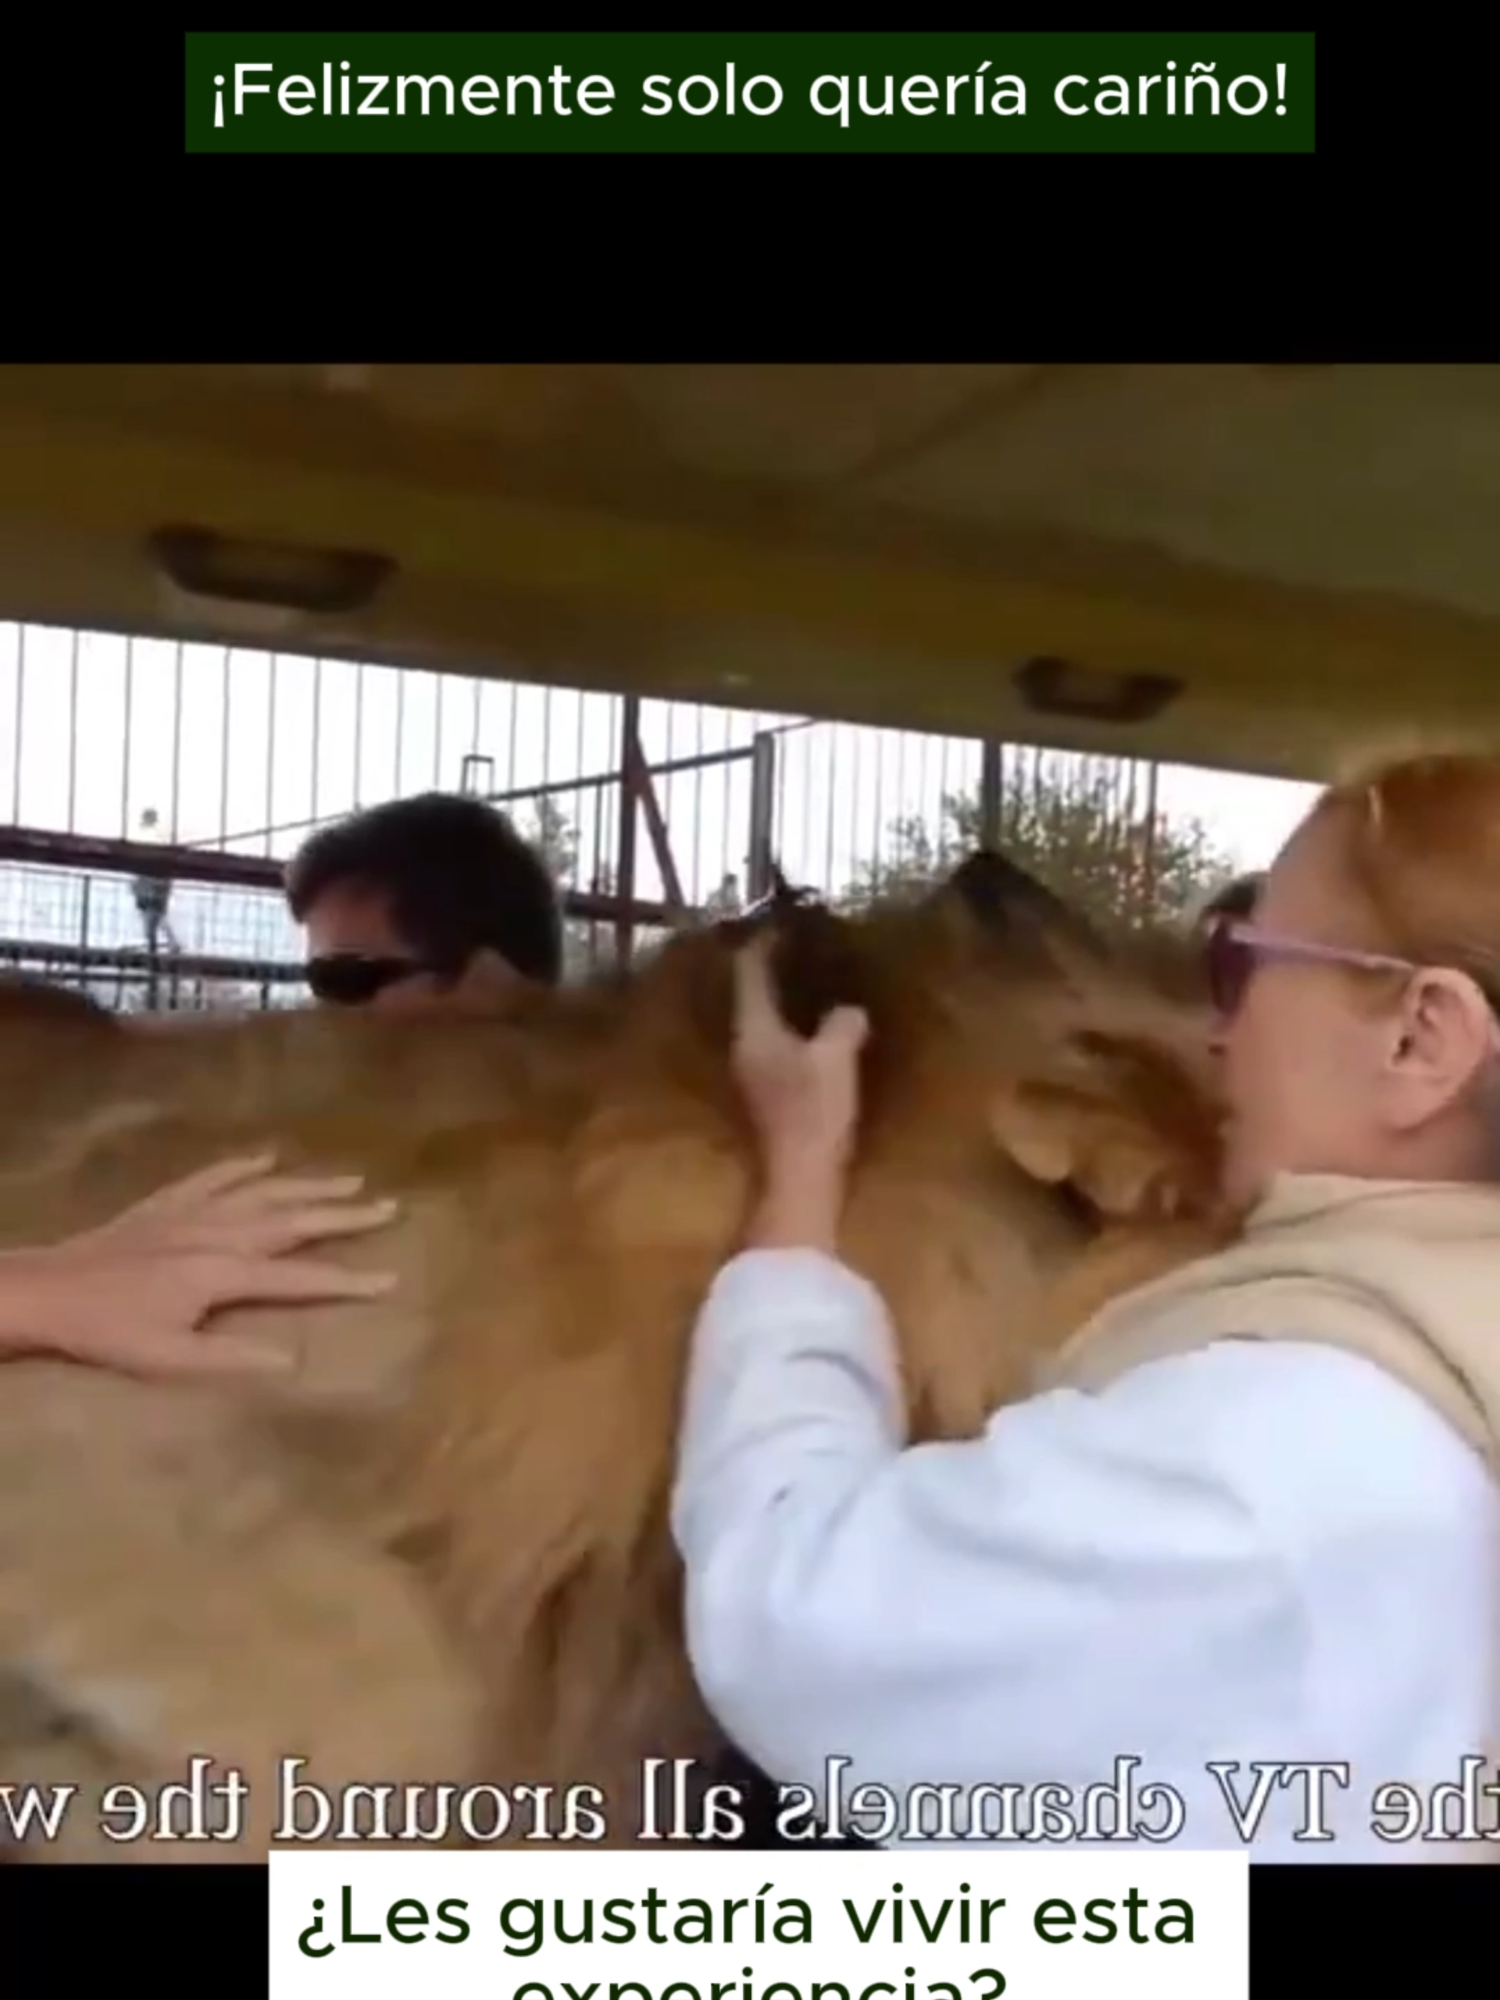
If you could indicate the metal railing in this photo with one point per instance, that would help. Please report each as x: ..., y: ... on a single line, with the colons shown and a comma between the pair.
x: 647, y: 811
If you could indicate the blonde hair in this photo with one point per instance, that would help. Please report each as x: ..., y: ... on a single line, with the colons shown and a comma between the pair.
x: 1419, y: 842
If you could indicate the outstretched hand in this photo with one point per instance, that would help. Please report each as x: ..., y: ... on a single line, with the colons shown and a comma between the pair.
x: 134, y: 1294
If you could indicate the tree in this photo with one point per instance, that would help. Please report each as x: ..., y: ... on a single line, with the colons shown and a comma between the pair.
x: 555, y: 837
x: 1106, y: 853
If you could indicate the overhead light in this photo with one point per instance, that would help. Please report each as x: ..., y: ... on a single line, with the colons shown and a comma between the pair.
x: 285, y: 578
x: 266, y: 625
x: 1058, y: 687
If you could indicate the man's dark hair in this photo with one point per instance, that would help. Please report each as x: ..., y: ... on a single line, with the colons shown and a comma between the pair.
x: 458, y: 877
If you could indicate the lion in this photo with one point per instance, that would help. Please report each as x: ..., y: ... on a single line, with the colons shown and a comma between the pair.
x: 441, y: 1555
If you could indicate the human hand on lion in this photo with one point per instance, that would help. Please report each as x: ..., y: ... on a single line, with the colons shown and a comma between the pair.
x: 803, y: 1098
x: 134, y: 1294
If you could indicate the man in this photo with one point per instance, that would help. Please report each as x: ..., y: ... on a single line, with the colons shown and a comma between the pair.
x: 153, y: 895
x: 726, y: 900
x: 425, y: 902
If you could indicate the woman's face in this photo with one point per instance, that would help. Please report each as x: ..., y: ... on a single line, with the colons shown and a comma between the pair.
x: 1332, y: 1071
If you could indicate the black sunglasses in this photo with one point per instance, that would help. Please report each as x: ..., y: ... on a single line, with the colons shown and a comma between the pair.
x: 349, y: 979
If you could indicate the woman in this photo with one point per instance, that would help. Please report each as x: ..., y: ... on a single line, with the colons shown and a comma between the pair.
x: 134, y: 1294
x: 1256, y: 1515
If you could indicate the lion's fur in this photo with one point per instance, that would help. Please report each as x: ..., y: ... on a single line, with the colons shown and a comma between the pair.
x: 443, y: 1553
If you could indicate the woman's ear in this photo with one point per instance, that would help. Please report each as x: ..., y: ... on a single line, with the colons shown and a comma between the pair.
x: 1447, y: 1035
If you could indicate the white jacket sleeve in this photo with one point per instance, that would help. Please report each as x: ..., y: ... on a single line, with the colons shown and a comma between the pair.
x: 1024, y: 1607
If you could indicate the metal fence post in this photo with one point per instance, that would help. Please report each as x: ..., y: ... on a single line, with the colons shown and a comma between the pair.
x: 761, y: 860
x: 991, y: 792
x: 630, y: 715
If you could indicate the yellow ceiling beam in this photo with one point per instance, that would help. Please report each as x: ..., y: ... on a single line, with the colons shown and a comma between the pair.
x: 1191, y: 624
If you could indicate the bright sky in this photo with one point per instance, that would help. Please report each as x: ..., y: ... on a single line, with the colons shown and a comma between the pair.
x: 247, y: 750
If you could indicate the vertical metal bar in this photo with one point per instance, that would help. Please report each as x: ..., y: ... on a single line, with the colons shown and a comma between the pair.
x: 1153, y: 772
x: 317, y: 732
x: 661, y: 795
x: 174, y: 829
x: 807, y: 746
x: 637, y: 777
x: 15, y: 808
x: 931, y: 795
x: 991, y: 793
x: 359, y: 735
x: 761, y: 852
x: 699, y: 890
x: 731, y: 864
x: 226, y: 691
x: 877, y: 802
x: 1125, y: 770
x: 72, y: 736
x: 583, y: 703
x: 828, y: 848
x: 270, y: 753
x: 852, y: 790
x: 125, y: 739
x: 625, y: 873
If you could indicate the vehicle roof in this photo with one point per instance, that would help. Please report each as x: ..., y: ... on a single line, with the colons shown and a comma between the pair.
x: 1298, y: 560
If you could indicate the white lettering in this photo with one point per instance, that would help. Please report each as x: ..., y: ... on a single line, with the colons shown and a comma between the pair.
x: 1071, y: 110
x: 304, y: 87
x: 840, y: 109
x: 242, y: 89
x: 762, y: 110
x: 425, y: 85
x: 1248, y: 110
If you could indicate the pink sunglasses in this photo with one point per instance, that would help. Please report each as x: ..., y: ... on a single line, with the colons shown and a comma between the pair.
x: 1235, y: 949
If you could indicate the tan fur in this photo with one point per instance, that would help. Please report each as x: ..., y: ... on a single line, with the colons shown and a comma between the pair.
x: 443, y: 1552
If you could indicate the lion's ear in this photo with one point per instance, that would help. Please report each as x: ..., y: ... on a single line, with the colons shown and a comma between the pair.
x: 1037, y: 1127
x: 1059, y: 1135
x: 1131, y: 1133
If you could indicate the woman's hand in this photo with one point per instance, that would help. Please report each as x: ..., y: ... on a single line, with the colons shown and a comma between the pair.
x: 133, y: 1294
x: 803, y: 1096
